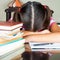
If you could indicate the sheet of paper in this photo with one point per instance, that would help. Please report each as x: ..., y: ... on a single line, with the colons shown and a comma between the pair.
x: 44, y: 46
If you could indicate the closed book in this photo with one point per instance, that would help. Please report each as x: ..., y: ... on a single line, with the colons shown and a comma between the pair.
x: 11, y: 55
x: 8, y: 26
x: 10, y: 32
x: 7, y: 38
x: 12, y: 45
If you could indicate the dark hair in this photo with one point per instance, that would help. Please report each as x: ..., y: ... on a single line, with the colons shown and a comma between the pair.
x: 35, y: 56
x: 16, y: 16
x: 35, y: 13
x: 34, y: 16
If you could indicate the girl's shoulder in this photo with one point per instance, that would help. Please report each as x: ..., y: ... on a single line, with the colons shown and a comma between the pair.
x: 53, y: 26
x: 51, y: 21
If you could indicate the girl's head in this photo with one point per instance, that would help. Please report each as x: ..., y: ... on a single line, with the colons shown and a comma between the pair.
x: 35, y: 16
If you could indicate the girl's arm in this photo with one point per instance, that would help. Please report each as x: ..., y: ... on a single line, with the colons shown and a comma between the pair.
x: 55, y: 28
x: 50, y: 37
x: 54, y: 36
x: 27, y: 33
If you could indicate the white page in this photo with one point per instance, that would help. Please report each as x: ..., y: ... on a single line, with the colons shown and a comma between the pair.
x: 47, y: 45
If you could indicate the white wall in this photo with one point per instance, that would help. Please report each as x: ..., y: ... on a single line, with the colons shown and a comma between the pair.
x: 53, y: 4
x: 3, y: 6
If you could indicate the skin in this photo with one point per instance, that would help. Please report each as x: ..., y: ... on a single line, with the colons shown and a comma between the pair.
x: 44, y: 36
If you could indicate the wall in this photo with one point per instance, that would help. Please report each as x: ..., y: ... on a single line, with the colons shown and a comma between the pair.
x: 53, y: 4
x: 3, y: 6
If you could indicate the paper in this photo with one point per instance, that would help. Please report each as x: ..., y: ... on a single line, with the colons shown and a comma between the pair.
x: 44, y: 46
x: 7, y: 37
x: 7, y: 47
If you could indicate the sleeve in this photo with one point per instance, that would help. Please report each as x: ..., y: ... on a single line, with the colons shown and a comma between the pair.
x: 51, y: 22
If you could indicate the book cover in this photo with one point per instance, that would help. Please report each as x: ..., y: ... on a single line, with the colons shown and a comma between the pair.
x: 10, y: 25
x: 12, y: 45
x: 10, y: 32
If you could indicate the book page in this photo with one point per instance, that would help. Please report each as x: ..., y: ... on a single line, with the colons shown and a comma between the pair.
x: 6, y: 38
x: 44, y: 46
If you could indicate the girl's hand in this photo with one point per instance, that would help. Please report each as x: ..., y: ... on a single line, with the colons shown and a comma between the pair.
x: 44, y: 31
x: 27, y: 33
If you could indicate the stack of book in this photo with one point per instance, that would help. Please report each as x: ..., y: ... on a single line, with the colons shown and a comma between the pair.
x: 44, y: 46
x: 10, y: 27
x: 11, y: 46
x: 11, y: 41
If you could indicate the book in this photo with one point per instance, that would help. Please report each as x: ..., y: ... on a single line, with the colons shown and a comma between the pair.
x: 10, y: 32
x: 13, y: 40
x: 7, y: 38
x: 44, y: 46
x: 12, y: 45
x: 9, y: 26
x: 12, y: 54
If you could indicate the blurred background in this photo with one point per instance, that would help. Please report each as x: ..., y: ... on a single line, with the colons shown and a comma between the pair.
x: 53, y: 4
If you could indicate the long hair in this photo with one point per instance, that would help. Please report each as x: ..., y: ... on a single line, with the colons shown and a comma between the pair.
x: 35, y: 16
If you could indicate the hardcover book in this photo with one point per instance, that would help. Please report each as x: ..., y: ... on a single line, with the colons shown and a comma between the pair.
x: 10, y: 25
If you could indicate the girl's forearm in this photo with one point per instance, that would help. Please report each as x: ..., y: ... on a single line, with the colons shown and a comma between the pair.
x: 50, y: 37
x: 27, y: 33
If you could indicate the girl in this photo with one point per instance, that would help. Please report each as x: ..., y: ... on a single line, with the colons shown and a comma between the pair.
x: 38, y: 25
x: 37, y: 18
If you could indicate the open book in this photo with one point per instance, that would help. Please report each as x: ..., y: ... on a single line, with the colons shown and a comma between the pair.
x: 44, y: 46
